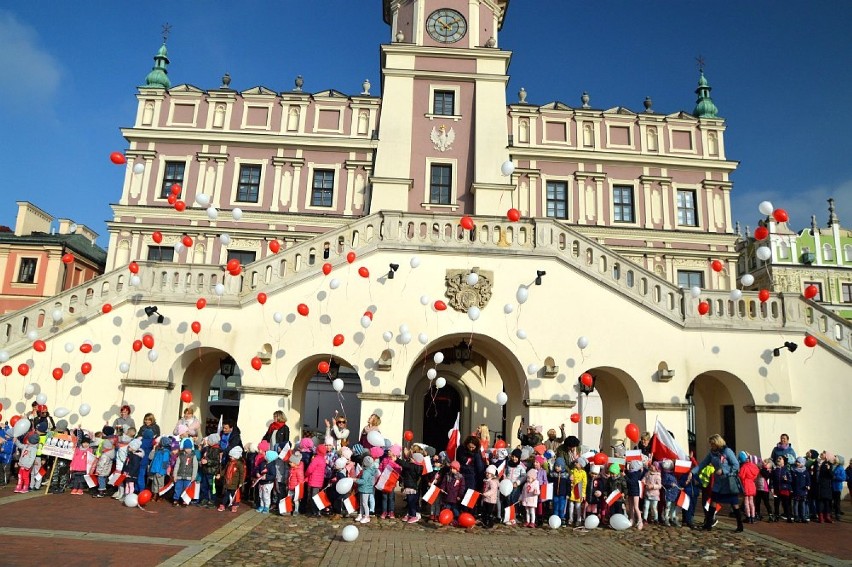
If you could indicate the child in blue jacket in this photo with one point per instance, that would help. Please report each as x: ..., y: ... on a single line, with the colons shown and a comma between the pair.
x: 7, y: 451
x: 160, y: 466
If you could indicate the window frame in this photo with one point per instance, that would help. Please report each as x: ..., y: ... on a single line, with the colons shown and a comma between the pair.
x: 442, y: 94
x: 818, y: 297
x: 34, y: 272
x: 449, y: 184
x: 240, y: 184
x: 321, y: 191
x: 694, y: 208
x: 618, y: 207
x: 241, y: 256
x: 547, y: 199
x: 167, y: 181
x: 846, y: 292
x: 456, y: 90
x: 152, y: 247
x: 690, y: 283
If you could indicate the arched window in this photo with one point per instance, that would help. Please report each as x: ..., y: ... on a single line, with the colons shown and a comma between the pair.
x: 827, y: 252
x: 588, y: 135
x: 524, y: 131
x: 652, y: 140
x: 847, y: 253
x: 783, y: 250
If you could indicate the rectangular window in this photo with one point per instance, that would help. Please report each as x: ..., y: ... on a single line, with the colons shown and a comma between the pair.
x: 161, y: 254
x: 818, y: 285
x: 686, y: 210
x: 249, y: 187
x: 323, y: 188
x: 441, y: 186
x: 173, y: 174
x: 243, y: 256
x: 846, y: 288
x: 557, y: 199
x: 622, y: 203
x: 444, y: 103
x: 26, y: 274
x: 688, y: 279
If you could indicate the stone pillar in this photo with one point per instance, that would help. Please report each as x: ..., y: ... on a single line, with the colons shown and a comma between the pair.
x: 772, y: 421
x: 389, y: 407
x: 257, y: 404
x: 671, y: 415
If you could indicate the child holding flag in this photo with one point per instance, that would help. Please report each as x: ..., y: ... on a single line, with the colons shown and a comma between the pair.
x: 653, y: 483
x: 530, y: 498
x: 233, y: 478
x: 579, y: 483
x: 366, y: 488
x: 490, y: 488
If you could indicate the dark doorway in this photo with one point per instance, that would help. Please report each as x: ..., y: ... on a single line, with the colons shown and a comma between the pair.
x: 729, y: 429
x: 440, y: 408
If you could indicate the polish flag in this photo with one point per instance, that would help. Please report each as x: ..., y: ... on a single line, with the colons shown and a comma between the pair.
x: 663, y: 445
x: 683, y: 500
x: 285, y: 452
x: 613, y: 497
x: 546, y: 492
x: 351, y: 504
x: 641, y: 490
x: 588, y: 455
x: 387, y: 480
x: 166, y: 487
x: 501, y: 468
x: 40, y: 474
x: 285, y: 506
x: 427, y: 466
x: 711, y: 503
x: 453, y: 443
x: 297, y: 492
x: 471, y: 497
x: 91, y: 480
x: 432, y: 494
x: 578, y: 491
x: 191, y: 492
x: 321, y: 500
x: 682, y: 467
x: 634, y: 455
x: 508, y: 514
x: 116, y: 478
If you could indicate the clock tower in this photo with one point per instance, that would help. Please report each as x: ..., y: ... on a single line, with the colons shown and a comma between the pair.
x: 443, y: 131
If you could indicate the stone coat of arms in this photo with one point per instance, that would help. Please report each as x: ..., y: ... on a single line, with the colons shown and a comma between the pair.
x: 442, y: 138
x: 463, y: 295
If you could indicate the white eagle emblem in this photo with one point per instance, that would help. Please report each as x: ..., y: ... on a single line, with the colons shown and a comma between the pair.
x: 442, y: 138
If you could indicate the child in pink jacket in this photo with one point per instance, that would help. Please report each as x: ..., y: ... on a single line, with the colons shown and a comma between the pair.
x: 80, y: 466
x: 296, y: 480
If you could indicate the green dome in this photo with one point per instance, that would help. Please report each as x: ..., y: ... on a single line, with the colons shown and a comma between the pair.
x: 704, y: 107
x: 158, y: 78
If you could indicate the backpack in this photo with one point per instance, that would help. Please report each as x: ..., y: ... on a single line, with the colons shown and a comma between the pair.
x: 214, y: 459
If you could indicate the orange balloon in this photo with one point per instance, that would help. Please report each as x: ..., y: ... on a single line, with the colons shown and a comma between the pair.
x: 440, y: 306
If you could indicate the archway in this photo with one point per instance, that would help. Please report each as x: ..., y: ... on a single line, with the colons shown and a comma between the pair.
x: 213, y: 378
x: 716, y: 403
x: 606, y: 411
x: 440, y: 408
x: 314, y: 399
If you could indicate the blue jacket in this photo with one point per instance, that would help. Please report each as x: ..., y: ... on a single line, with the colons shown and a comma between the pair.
x: 670, y: 486
x: 367, y: 480
x: 160, y: 462
x: 839, y: 479
x: 633, y: 480
x: 7, y: 450
x: 725, y: 460
x: 801, y: 482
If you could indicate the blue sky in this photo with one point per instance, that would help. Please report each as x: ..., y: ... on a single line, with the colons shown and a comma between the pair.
x: 779, y: 71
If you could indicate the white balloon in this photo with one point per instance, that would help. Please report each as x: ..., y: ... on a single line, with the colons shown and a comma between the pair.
x: 139, y: 168
x: 438, y: 357
x: 334, y: 283
x: 472, y: 278
x: 73, y: 228
x: 32, y: 335
x: 747, y: 279
x: 763, y: 253
x: 4, y: 356
x: 525, y: 453
x: 508, y: 308
x: 135, y: 281
x: 85, y: 409
x: 508, y: 168
x: 61, y: 412
x: 337, y: 385
x: 131, y: 500
x: 502, y: 398
x: 344, y: 485
x: 554, y: 521
x: 225, y: 239
x: 695, y: 291
x: 473, y: 313
x: 69, y: 347
x: 179, y: 247
x: 440, y: 382
x: 387, y: 336
x: 423, y: 338
x: 522, y: 294
x: 22, y: 426
x: 41, y: 398
x: 522, y: 334
x: 56, y: 315
x: 424, y: 300
x: 153, y: 355
x: 405, y: 338
x: 219, y: 289
x: 277, y: 317
x: 619, y: 522
x: 124, y: 367
x: 375, y: 439
x: 506, y: 487
x: 366, y: 321
x: 29, y: 389
x: 202, y: 199
x: 349, y: 533
x: 237, y: 213
x: 212, y: 213
x: 736, y: 295
x: 765, y: 208
x: 417, y: 457
x: 532, y: 368
x: 582, y: 342
x: 431, y: 374
x: 403, y: 328
x: 592, y: 522
x: 414, y: 262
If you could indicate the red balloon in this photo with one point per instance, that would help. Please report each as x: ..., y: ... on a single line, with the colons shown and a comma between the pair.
x: 86, y: 348
x: 137, y: 345
x: 186, y: 241
x: 763, y: 295
x: 196, y: 327
x: 440, y: 306
x: 717, y: 266
x: 180, y: 206
x: 350, y: 257
x: 500, y: 444
x: 811, y: 291
x: 14, y: 420
x: 632, y: 432
x: 176, y: 189
x: 186, y: 397
x: 67, y: 258
x: 445, y: 518
x: 466, y: 520
x: 587, y: 380
x: 6, y: 370
x: 117, y: 158
x: 513, y: 215
x: 274, y: 246
x: 326, y: 268
x: 148, y: 340
x: 760, y: 233
x: 85, y: 368
x: 466, y: 223
x: 236, y: 271
x: 172, y: 199
x: 57, y: 373
x: 157, y: 236
x: 303, y: 309
x: 780, y: 215
x: 575, y: 417
x: 338, y: 340
x: 39, y: 345
x: 600, y: 459
x: 232, y: 264
x: 133, y: 267
x: 261, y: 298
x: 368, y: 314
x: 201, y: 304
x: 408, y: 436
x: 256, y: 363
x: 144, y: 497
x: 106, y: 308
x: 703, y: 308
x: 23, y: 369
x: 363, y: 272
x: 810, y: 341
x: 323, y: 367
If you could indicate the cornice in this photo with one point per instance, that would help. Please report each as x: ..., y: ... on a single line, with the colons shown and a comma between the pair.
x: 661, y: 406
x: 380, y: 397
x: 154, y: 384
x: 264, y: 391
x: 253, y: 138
x: 540, y: 153
x: 532, y: 403
x: 772, y: 409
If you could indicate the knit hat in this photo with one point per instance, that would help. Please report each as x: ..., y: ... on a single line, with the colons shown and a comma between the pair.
x: 148, y: 434
x: 502, y: 453
x: 33, y: 439
x: 539, y: 459
x: 742, y: 456
x: 62, y: 426
x: 595, y: 469
x: 395, y: 450
x: 801, y: 461
x: 538, y: 428
x: 135, y: 444
x: 106, y: 445
x: 340, y: 463
x: 322, y: 450
x: 295, y: 458
x: 306, y: 444
x: 236, y: 452
x: 491, y: 469
x: 367, y: 462
x: 357, y: 449
x: 841, y: 460
x: 635, y: 466
x: 455, y: 465
x: 125, y: 439
x: 560, y: 462
x: 668, y: 464
x: 186, y: 444
x: 213, y: 439
x: 42, y: 426
x: 175, y: 444
x: 263, y: 446
x: 517, y: 453
x: 271, y: 456
x: 376, y: 452
x: 614, y: 468
x: 165, y: 442
x: 829, y: 456
x: 548, y: 455
x: 346, y: 453
x: 532, y: 474
x: 329, y: 440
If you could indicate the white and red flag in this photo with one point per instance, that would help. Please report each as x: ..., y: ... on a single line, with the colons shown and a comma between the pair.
x: 577, y: 490
x: 471, y: 497
x: 664, y: 446
x: 427, y: 466
x: 453, y: 442
x: 40, y: 474
x: 613, y: 497
x: 641, y: 490
x: 321, y: 500
x: 285, y: 506
x: 91, y: 480
x: 297, y: 492
x: 508, y: 514
x: 682, y: 467
x: 166, y: 487
x: 432, y: 494
x: 683, y: 500
x: 285, y: 452
x: 711, y: 503
x: 546, y: 492
x: 117, y: 478
x: 387, y: 480
x: 191, y: 492
x: 633, y: 455
x: 501, y: 468
x: 351, y: 504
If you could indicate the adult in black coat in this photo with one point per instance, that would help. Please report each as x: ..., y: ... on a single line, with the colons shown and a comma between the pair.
x: 469, y: 456
x: 230, y: 438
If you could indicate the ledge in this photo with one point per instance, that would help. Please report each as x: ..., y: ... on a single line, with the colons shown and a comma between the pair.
x: 665, y: 406
x: 156, y: 384
x: 772, y: 409
x: 264, y: 390
x: 550, y: 403
x: 379, y: 397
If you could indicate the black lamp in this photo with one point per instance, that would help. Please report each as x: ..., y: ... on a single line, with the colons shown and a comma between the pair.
x: 462, y: 351
x: 393, y: 269
x: 333, y: 369
x: 789, y: 345
x: 538, y: 275
x: 227, y: 366
x: 584, y: 389
x: 150, y: 310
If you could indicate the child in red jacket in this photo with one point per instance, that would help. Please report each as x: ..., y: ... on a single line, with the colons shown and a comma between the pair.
x: 748, y: 474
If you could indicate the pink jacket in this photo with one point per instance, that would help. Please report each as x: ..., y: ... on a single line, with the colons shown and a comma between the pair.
x: 315, y: 475
x: 388, y: 462
x: 80, y: 462
x: 297, y: 476
x: 489, y: 490
x: 748, y: 473
x: 653, y: 483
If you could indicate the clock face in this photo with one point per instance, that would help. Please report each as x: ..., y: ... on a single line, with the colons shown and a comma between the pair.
x: 446, y: 26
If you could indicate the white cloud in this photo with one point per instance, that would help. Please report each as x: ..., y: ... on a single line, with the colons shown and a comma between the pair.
x: 800, y: 205
x: 30, y: 74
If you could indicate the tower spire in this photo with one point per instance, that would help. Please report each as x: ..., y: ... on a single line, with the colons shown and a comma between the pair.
x: 158, y: 78
x: 704, y: 107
